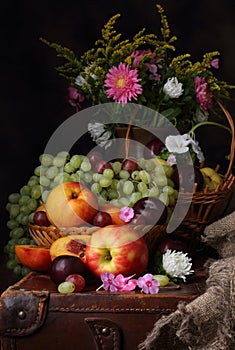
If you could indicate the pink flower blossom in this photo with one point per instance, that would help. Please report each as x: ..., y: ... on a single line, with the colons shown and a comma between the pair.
x: 74, y: 97
x: 148, y: 284
x: 204, y: 95
x: 122, y: 83
x: 126, y: 214
x: 139, y: 55
x: 117, y: 283
x: 215, y: 63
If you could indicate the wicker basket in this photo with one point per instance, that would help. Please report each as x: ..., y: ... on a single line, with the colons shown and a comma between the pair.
x: 45, y: 236
x: 208, y: 206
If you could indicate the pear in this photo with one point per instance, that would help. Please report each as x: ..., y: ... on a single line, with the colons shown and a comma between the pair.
x: 211, y: 178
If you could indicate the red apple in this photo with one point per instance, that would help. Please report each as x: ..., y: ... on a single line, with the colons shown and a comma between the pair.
x: 71, y: 204
x: 36, y: 258
x: 117, y: 249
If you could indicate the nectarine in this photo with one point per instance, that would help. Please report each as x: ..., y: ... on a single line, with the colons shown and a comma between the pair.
x: 74, y: 245
x: 36, y: 258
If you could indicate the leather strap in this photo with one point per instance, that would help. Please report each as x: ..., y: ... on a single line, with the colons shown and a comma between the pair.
x: 22, y: 311
x: 106, y: 333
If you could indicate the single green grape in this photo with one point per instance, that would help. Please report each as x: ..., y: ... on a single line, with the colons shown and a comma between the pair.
x: 105, y: 181
x: 154, y: 191
x: 12, y: 224
x: 33, y: 182
x: 168, y: 189
x: 24, y: 241
x: 66, y: 287
x: 25, y: 190
x: 14, y: 198
x: 109, y: 173
x: 164, y: 198
x: 69, y: 168
x: 14, y: 210
x: 85, y: 165
x: 32, y: 204
x: 66, y: 177
x: 87, y: 177
x: 162, y: 279
x: 144, y: 176
x: 11, y: 264
x: 117, y: 166
x: 25, y: 270
x: 160, y: 180
x: 76, y: 161
x: 113, y: 194
x: 25, y: 210
x: 36, y: 192
x: 52, y: 171
x: 75, y: 177
x: 96, y: 188
x: 59, y: 161
x: 135, y: 196
x: 128, y: 187
x: 142, y: 187
x: 96, y: 177
x: 24, y: 220
x: 124, y: 174
x: 44, y: 181
x: 46, y: 159
x: 40, y: 170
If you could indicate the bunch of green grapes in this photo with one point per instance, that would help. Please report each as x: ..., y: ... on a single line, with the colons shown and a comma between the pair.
x: 114, y: 185
x: 120, y: 187
x: 21, y: 206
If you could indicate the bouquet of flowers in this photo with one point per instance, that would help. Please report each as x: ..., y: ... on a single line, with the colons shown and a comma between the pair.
x: 144, y: 70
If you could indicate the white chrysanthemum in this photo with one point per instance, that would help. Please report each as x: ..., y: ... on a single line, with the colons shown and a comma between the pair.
x: 177, y: 143
x: 177, y: 264
x: 99, y: 134
x: 173, y: 88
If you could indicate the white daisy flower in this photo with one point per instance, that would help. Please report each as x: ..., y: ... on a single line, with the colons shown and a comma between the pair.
x: 99, y: 134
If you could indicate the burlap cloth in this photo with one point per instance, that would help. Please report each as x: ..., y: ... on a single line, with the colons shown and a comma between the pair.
x: 208, y: 322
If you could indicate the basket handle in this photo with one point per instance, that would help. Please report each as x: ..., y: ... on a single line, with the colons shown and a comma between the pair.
x: 232, y: 148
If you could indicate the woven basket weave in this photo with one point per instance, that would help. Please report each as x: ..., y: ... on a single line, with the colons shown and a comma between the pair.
x: 45, y: 236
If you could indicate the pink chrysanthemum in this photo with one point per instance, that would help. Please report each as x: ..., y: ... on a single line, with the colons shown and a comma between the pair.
x: 123, y: 83
x: 204, y: 95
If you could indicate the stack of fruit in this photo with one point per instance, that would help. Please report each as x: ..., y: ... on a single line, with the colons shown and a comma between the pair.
x: 96, y: 190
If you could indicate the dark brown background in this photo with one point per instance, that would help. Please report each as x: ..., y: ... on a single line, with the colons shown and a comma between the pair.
x: 31, y: 92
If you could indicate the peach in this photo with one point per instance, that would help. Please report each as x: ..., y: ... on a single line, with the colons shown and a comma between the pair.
x: 74, y: 245
x: 36, y: 258
x: 71, y: 204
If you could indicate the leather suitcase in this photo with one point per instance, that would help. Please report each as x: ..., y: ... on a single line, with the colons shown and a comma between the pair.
x: 34, y: 316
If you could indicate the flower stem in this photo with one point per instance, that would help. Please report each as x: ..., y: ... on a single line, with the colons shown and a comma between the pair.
x: 208, y: 123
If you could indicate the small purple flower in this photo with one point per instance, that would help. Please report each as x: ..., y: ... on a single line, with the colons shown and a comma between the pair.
x: 126, y: 283
x: 117, y: 283
x: 109, y: 282
x: 74, y: 97
x: 148, y: 284
x: 215, y: 63
x: 126, y: 214
x: 203, y: 93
